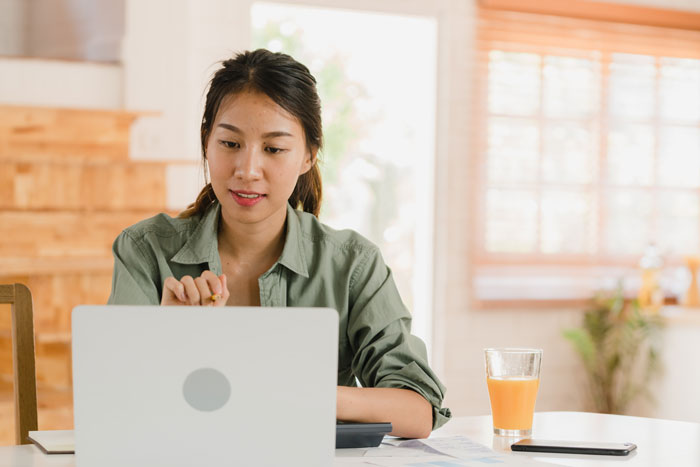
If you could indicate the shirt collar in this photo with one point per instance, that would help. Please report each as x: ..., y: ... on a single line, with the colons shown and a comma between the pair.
x: 293, y: 256
x: 202, y: 246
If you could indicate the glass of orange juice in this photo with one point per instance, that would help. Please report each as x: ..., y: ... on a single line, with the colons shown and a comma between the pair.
x: 513, y: 377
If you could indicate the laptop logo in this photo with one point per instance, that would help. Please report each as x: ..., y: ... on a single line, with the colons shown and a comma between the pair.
x: 206, y: 389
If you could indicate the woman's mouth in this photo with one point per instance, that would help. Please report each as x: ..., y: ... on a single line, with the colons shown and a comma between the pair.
x: 247, y: 198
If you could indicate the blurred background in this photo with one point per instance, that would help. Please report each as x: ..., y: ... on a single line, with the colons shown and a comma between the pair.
x: 530, y: 170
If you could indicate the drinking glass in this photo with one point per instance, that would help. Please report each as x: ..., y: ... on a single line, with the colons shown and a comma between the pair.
x: 513, y: 377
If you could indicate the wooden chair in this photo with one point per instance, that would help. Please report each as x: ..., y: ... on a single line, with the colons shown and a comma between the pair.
x: 20, y: 299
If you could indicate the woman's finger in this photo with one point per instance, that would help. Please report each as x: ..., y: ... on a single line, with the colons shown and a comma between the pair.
x: 214, y: 285
x: 224, y: 291
x: 173, y: 291
x: 205, y: 293
x: 190, y: 290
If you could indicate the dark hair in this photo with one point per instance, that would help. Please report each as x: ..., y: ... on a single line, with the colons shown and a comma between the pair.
x: 291, y: 86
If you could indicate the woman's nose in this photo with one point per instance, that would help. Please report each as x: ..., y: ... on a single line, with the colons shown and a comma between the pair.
x: 248, y: 165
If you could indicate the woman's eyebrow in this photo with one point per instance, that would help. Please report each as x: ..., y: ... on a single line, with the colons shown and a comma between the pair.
x: 275, y: 134
x: 271, y: 134
x: 228, y: 126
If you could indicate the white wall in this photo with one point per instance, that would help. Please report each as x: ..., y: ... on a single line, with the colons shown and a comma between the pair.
x: 678, y: 391
x: 53, y: 83
x: 12, y: 26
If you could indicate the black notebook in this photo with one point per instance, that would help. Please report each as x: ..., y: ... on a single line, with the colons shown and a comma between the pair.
x: 360, y: 435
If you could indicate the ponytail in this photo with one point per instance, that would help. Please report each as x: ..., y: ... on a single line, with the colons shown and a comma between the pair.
x: 205, y: 199
x: 307, y: 193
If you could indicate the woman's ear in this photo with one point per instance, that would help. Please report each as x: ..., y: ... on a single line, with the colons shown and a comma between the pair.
x: 309, y: 160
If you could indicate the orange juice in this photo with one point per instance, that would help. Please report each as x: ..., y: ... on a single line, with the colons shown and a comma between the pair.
x: 513, y: 402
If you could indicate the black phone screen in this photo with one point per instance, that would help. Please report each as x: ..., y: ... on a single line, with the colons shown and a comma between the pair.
x: 574, y: 447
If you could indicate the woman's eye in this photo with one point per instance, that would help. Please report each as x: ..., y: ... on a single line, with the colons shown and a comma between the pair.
x: 229, y: 144
x: 272, y: 150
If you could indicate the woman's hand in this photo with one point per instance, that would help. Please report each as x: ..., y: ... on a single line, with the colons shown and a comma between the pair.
x: 207, y: 289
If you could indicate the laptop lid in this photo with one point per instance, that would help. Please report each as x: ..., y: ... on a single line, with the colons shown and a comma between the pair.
x: 184, y: 386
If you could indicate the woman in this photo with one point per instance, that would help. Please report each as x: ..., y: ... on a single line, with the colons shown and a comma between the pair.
x: 252, y: 237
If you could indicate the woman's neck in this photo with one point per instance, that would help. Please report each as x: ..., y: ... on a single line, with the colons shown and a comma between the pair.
x: 252, y: 243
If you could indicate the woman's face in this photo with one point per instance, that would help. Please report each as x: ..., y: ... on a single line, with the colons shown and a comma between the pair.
x: 256, y: 151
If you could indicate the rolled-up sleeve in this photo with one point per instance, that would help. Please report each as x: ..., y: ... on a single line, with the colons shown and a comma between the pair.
x: 386, y: 354
x: 134, y: 277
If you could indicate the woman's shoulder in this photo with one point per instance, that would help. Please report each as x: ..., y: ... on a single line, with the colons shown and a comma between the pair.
x: 162, y: 225
x: 162, y: 236
x: 343, y: 240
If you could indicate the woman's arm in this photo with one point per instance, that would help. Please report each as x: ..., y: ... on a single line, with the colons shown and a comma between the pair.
x: 386, y: 356
x: 409, y: 413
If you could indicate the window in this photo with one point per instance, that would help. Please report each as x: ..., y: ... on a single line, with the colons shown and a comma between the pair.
x: 589, y: 151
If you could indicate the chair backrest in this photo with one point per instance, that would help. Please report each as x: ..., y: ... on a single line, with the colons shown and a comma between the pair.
x: 20, y: 299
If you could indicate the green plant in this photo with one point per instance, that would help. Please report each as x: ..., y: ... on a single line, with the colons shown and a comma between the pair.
x: 619, y: 345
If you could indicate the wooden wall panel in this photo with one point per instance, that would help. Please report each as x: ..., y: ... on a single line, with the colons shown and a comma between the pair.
x: 35, y: 132
x: 55, y: 296
x: 88, y: 186
x: 53, y: 361
x: 133, y: 186
x: 51, y: 150
x: 62, y: 234
x: 54, y: 368
x: 28, y: 266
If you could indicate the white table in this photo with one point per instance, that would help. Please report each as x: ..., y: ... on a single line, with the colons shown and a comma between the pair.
x: 660, y: 442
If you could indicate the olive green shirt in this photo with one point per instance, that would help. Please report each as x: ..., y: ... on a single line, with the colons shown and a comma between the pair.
x: 318, y: 267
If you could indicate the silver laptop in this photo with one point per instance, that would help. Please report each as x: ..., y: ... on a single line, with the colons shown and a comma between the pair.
x: 191, y: 386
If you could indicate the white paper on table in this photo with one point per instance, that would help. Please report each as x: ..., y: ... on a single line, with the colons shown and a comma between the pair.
x: 464, y: 448
x: 351, y: 452
x: 446, y: 461
x: 431, y: 461
x: 398, y: 451
x: 349, y: 462
x: 450, y: 451
x: 460, y: 447
x: 392, y: 441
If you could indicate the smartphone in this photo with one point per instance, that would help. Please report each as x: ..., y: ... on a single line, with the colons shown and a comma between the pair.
x: 574, y: 447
